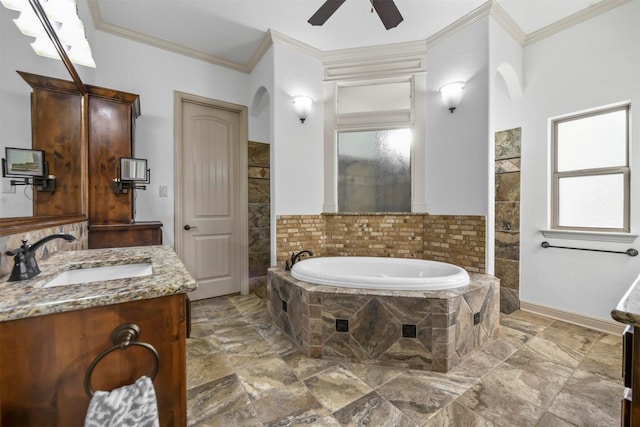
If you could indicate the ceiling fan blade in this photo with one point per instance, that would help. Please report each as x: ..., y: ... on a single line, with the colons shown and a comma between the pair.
x: 325, y: 12
x: 388, y: 13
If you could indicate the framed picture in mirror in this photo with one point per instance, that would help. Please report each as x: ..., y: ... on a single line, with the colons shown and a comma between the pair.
x: 22, y: 162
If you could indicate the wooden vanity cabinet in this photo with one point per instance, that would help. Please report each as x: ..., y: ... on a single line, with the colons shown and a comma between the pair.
x: 630, y: 403
x: 124, y: 235
x: 56, y: 128
x: 112, y: 117
x: 44, y: 359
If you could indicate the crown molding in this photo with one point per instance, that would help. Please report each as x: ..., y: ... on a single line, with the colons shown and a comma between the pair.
x: 284, y: 40
x: 507, y: 23
x: 116, y: 30
x: 460, y: 24
x: 571, y: 20
x: 373, y: 53
x: 368, y: 53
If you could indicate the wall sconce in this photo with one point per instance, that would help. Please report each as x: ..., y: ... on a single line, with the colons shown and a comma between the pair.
x: 302, y: 105
x: 452, y: 95
x: 131, y: 174
x: 30, y: 166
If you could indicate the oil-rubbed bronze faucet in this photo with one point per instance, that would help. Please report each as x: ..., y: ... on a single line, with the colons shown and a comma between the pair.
x: 295, y: 256
x: 25, y: 266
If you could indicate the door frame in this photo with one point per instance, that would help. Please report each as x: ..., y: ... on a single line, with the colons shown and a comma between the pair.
x: 242, y: 225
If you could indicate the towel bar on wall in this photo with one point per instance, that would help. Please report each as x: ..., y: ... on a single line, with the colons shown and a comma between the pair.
x: 630, y: 251
x: 122, y: 337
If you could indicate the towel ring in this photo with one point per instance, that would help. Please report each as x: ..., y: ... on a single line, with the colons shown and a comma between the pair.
x: 123, y: 337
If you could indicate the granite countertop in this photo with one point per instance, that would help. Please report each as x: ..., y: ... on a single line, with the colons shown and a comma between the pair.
x: 628, y: 309
x: 29, y: 298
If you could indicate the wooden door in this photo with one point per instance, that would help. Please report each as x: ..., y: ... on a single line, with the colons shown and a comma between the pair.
x: 212, y: 204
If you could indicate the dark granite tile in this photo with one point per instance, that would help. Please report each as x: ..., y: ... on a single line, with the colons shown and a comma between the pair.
x: 373, y: 410
x: 509, y: 300
x: 508, y: 271
x: 416, y: 396
x: 456, y: 415
x: 585, y: 412
x: 409, y: 353
x: 336, y: 387
x: 499, y: 406
x: 340, y: 307
x: 259, y: 190
x: 305, y: 367
x: 508, y: 143
x: 550, y: 420
x: 507, y: 245
x: 373, y: 375
x: 375, y: 328
x: 290, y: 405
x: 259, y: 215
x: 221, y: 402
x: 258, y: 172
x: 529, y: 323
x: 508, y: 187
x: 258, y: 154
x: 537, y: 362
x: 507, y: 216
x: 259, y: 240
x: 407, y: 310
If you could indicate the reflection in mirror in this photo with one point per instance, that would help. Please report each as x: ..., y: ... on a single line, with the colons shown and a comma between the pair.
x: 22, y: 162
x: 20, y: 205
x: 133, y: 169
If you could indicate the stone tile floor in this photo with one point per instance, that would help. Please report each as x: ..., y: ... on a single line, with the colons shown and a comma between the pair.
x: 540, y: 372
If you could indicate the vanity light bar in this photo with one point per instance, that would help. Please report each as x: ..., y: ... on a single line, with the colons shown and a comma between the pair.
x: 64, y: 19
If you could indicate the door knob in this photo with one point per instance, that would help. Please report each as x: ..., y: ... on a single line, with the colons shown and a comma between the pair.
x: 188, y: 227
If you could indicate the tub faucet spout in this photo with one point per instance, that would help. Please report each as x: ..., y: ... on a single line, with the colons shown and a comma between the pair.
x: 295, y: 256
x: 25, y: 266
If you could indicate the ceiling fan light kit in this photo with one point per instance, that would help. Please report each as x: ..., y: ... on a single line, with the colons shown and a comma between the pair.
x: 386, y: 10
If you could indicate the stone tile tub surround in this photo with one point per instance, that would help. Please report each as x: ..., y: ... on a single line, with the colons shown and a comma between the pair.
x: 455, y: 239
x: 12, y: 241
x: 29, y: 298
x: 431, y: 330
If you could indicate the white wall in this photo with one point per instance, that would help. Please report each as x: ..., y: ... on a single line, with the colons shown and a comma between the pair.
x: 592, y: 64
x: 297, y: 148
x: 260, y: 92
x: 505, y: 110
x: 456, y: 143
x: 155, y: 75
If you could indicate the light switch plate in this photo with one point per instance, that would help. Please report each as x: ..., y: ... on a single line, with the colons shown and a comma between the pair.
x: 164, y: 191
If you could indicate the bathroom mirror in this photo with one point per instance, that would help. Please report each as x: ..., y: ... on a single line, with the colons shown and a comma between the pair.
x: 133, y: 169
x: 18, y: 212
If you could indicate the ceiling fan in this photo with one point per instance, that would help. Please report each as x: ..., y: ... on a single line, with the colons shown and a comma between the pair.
x: 386, y: 9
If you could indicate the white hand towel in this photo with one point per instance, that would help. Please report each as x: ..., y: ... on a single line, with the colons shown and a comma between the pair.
x: 131, y: 405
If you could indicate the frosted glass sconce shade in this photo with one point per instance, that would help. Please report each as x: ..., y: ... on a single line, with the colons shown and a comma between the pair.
x: 302, y: 105
x: 452, y: 95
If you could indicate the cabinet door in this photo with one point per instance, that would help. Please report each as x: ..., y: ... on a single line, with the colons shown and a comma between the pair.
x: 110, y: 138
x: 44, y: 359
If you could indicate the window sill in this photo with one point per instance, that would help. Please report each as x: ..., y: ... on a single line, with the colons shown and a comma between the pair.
x: 594, y: 236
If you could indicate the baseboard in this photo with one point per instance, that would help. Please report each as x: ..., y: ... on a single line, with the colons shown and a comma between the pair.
x: 607, y: 326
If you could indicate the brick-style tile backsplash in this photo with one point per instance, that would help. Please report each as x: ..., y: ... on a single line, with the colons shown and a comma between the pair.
x: 456, y: 239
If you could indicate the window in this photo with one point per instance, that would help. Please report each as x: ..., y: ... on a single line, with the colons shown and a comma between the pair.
x: 374, y: 171
x: 591, y: 171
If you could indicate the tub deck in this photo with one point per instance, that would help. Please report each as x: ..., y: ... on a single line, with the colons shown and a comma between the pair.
x: 428, y: 330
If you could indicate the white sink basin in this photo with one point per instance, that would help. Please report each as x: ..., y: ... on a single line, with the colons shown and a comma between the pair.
x: 99, y: 274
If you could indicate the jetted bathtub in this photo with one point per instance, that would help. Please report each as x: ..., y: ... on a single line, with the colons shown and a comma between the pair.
x: 398, y: 274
